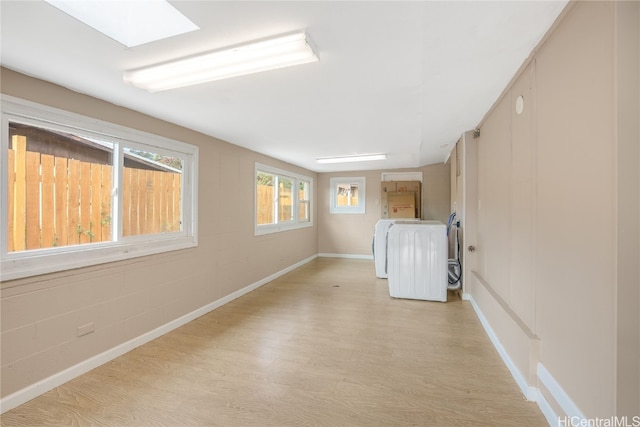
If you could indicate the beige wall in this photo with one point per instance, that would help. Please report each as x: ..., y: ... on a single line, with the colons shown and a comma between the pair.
x: 436, y: 192
x: 628, y: 207
x: 39, y: 315
x: 557, y: 225
x: 352, y: 234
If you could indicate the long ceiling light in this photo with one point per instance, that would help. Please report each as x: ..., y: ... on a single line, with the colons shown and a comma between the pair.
x: 346, y: 159
x: 131, y: 23
x: 262, y: 55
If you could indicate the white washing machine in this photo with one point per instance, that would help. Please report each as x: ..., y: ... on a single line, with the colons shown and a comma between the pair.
x: 417, y: 260
x: 380, y: 246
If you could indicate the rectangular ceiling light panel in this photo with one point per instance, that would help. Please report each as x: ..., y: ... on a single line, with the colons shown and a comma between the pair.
x: 132, y: 22
x: 347, y: 159
x: 264, y: 55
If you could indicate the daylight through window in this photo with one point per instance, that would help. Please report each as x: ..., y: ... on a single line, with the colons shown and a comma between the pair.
x: 347, y: 195
x: 74, y: 185
x: 283, y: 200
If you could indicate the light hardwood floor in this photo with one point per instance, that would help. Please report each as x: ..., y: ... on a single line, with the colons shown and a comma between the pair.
x: 324, y: 345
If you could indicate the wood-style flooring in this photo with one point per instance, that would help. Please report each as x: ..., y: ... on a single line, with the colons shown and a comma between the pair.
x: 324, y: 345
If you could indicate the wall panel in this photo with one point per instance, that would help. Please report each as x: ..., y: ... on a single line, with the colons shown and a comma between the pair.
x: 574, y: 206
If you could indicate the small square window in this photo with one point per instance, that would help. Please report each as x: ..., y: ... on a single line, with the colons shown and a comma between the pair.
x: 348, y: 195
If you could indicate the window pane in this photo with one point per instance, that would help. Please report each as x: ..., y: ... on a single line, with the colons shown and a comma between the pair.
x: 59, y: 191
x: 285, y: 199
x: 347, y: 195
x: 265, y: 196
x: 151, y: 193
x: 303, y: 197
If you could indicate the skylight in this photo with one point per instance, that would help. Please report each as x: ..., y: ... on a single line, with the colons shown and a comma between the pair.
x: 132, y: 22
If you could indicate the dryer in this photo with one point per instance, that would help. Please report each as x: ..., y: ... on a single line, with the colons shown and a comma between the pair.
x: 380, y: 246
x: 417, y: 260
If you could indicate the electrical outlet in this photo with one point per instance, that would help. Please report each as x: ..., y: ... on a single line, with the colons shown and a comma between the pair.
x: 85, y: 329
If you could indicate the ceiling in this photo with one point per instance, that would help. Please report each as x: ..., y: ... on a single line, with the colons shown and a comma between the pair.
x: 395, y: 77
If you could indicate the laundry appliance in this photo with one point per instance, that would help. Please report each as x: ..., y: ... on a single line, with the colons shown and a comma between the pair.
x: 380, y: 246
x: 417, y: 260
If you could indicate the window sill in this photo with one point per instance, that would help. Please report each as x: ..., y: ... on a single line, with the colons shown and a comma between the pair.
x: 34, y: 263
x: 277, y: 228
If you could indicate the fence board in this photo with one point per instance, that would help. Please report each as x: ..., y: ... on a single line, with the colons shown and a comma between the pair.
x: 176, y: 223
x: 61, y: 236
x: 125, y: 220
x: 167, y: 195
x: 96, y: 197
x: 47, y: 239
x: 166, y: 204
x: 105, y: 206
x: 11, y: 179
x: 85, y: 228
x: 137, y: 206
x: 137, y: 202
x: 143, y: 196
x: 32, y: 198
x: 127, y: 208
x: 19, y: 144
x: 157, y: 197
x: 146, y: 225
x: 141, y: 185
x: 73, y: 181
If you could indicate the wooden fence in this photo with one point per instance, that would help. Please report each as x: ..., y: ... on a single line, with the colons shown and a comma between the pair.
x: 344, y: 200
x: 55, y: 201
x: 151, y: 202
x: 265, y: 205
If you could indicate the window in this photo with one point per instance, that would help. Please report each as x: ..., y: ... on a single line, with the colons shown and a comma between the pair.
x: 77, y: 191
x: 283, y: 200
x: 151, y: 192
x: 304, y: 203
x: 347, y: 195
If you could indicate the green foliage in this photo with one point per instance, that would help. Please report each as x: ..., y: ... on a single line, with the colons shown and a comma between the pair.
x: 86, y: 232
x: 285, y: 184
x: 104, y: 215
x: 265, y: 179
x: 174, y: 162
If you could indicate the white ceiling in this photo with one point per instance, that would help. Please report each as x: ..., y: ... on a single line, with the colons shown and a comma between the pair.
x: 402, y: 78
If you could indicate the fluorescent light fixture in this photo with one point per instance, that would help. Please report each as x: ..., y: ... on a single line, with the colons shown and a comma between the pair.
x: 132, y: 22
x: 358, y: 158
x: 262, y: 55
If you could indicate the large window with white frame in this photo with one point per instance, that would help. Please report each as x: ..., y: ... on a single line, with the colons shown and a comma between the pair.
x: 77, y: 191
x: 283, y: 200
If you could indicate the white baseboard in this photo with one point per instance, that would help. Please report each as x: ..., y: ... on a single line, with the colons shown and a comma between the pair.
x: 547, y: 410
x: 529, y: 392
x: 22, y: 396
x: 559, y: 395
x: 349, y: 256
